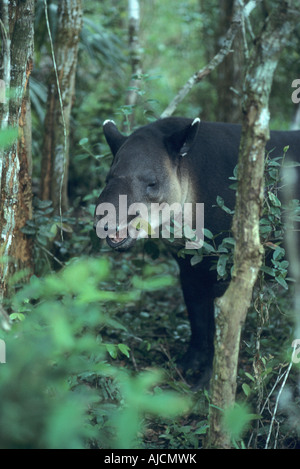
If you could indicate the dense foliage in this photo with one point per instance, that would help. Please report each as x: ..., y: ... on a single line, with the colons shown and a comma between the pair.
x: 91, y: 329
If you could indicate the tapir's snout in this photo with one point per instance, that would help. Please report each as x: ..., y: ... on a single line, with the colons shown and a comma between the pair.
x: 112, y: 223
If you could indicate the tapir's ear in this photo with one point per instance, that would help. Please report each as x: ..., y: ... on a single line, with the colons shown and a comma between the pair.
x: 190, y: 137
x: 181, y: 142
x: 113, y: 137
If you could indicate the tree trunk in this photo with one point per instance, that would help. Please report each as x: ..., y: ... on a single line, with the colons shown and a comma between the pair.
x: 17, y: 31
x: 230, y: 72
x: 55, y: 155
x: 231, y: 308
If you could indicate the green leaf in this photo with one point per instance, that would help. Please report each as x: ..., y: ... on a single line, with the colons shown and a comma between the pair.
x: 202, y: 430
x: 250, y: 376
x: 27, y: 230
x: 53, y: 230
x: 229, y: 240
x: 285, y: 149
x: 83, y: 141
x: 221, y: 266
x: 124, y: 349
x: 208, y: 248
x: 279, y: 253
x: 112, y: 350
x: 275, y: 201
x: 17, y: 316
x: 208, y: 234
x: 268, y: 270
x: 265, y: 229
x: 196, y: 259
x: 246, y: 388
x: 44, y: 203
x: 282, y: 282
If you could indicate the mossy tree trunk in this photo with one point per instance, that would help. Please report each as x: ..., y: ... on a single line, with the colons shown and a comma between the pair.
x: 17, y: 19
x: 55, y: 154
x: 231, y: 309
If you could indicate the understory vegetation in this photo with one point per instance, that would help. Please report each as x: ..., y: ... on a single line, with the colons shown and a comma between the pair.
x: 94, y: 337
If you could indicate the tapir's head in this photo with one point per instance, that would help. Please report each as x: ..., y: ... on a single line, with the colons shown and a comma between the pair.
x: 148, y: 168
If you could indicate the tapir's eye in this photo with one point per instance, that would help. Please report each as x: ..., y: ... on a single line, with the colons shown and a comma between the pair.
x: 152, y: 188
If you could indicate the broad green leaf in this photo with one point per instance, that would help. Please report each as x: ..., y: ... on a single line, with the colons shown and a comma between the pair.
x: 124, y: 349
x: 112, y: 350
x: 246, y: 388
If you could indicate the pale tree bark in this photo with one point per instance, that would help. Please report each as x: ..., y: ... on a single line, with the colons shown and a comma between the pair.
x: 231, y: 308
x: 17, y: 19
x: 55, y: 154
x: 135, y: 54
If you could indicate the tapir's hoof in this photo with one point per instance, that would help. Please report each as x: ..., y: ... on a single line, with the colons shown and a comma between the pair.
x: 196, y: 370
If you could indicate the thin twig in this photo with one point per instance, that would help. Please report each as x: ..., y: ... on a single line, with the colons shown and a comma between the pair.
x: 165, y: 351
x: 277, y: 402
x: 52, y: 255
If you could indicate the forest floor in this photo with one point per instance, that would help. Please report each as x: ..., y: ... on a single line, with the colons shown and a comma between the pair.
x: 157, y: 332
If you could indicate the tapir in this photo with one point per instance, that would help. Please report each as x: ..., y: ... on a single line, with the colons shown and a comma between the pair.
x: 181, y: 160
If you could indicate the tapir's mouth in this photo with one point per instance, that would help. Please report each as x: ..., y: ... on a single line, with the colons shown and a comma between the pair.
x: 119, y: 243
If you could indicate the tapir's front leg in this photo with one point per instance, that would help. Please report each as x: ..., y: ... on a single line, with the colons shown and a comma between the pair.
x: 198, y: 285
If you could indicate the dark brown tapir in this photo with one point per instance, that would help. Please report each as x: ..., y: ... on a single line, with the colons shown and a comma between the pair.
x: 183, y: 161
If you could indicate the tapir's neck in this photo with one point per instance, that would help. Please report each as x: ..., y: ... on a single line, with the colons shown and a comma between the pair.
x: 186, y: 186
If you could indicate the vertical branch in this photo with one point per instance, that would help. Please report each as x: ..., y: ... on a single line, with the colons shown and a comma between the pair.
x: 135, y: 53
x: 134, y: 29
x: 6, y: 60
x: 231, y: 308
